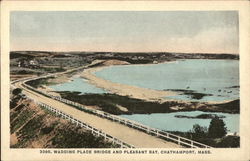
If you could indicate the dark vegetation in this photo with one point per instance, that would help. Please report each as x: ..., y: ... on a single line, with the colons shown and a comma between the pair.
x: 213, y: 136
x: 34, y: 127
x: 39, y: 82
x: 143, y: 58
x: 234, y: 87
x: 17, y: 91
x: 49, y: 62
x: 109, y: 102
x: 131, y: 61
x: 191, y: 93
x: 73, y: 138
x: 24, y: 55
x: 232, y: 107
x: 16, y: 96
x: 25, y: 72
x: 217, y: 128
x: 201, y: 116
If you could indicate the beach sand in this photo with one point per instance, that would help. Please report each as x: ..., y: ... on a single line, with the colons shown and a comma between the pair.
x: 122, y: 89
x: 48, y: 90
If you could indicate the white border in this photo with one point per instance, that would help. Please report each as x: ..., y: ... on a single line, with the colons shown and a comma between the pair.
x: 242, y: 7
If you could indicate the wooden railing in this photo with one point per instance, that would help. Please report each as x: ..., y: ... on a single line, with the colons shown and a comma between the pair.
x: 93, y: 130
x: 152, y: 131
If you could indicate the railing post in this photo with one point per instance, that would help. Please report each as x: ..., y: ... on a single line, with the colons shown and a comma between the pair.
x: 105, y: 137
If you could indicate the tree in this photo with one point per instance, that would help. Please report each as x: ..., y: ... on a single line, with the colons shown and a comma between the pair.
x: 17, y: 91
x: 199, y: 131
x: 217, y: 128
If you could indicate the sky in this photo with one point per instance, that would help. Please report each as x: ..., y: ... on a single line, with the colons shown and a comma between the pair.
x: 125, y: 31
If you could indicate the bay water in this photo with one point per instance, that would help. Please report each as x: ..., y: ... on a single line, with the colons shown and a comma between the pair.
x: 219, y: 79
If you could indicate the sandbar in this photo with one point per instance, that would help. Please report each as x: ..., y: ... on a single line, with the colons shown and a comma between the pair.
x: 123, y: 89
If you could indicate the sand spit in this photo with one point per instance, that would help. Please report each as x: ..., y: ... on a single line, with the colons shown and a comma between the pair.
x: 48, y: 90
x: 122, y: 89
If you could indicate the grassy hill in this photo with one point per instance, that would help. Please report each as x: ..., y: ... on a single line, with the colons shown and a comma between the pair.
x: 33, y: 127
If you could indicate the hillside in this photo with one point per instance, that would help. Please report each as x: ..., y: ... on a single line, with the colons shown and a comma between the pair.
x: 33, y: 127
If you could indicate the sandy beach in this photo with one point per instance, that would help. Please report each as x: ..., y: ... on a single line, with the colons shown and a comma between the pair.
x: 122, y: 89
x: 48, y: 90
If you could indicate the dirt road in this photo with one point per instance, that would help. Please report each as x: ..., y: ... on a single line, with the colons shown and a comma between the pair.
x: 131, y: 136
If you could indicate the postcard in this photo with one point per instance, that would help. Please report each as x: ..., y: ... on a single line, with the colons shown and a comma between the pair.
x: 120, y: 80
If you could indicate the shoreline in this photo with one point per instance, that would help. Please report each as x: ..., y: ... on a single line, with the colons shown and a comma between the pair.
x: 143, y: 94
x: 124, y: 90
x: 133, y: 91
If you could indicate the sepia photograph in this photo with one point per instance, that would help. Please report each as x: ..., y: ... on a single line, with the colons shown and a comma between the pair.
x: 124, y: 81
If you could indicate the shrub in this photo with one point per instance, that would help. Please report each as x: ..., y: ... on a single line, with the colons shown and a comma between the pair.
x: 17, y: 91
x: 199, y: 131
x: 230, y: 141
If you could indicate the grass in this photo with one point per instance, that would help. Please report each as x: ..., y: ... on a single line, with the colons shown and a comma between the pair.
x: 39, y: 82
x: 54, y: 132
x: 53, y: 70
x: 21, y: 119
x: 64, y: 135
x: 109, y: 102
x: 31, y: 129
x: 24, y: 72
x: 229, y: 107
x: 47, y: 111
x: 74, y: 137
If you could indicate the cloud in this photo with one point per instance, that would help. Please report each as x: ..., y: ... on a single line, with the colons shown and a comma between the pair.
x: 214, y: 40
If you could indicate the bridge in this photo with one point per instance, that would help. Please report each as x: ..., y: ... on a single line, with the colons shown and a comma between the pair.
x: 126, y: 133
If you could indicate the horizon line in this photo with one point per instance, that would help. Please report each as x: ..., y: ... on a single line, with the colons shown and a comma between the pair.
x: 123, y: 52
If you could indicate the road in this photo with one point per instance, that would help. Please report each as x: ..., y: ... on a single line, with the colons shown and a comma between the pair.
x: 126, y: 134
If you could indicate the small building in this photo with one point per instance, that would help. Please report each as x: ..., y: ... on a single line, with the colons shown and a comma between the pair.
x: 32, y: 62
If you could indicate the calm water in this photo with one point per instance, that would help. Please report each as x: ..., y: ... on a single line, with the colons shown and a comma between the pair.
x: 167, y: 121
x: 77, y: 84
x: 214, y: 77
